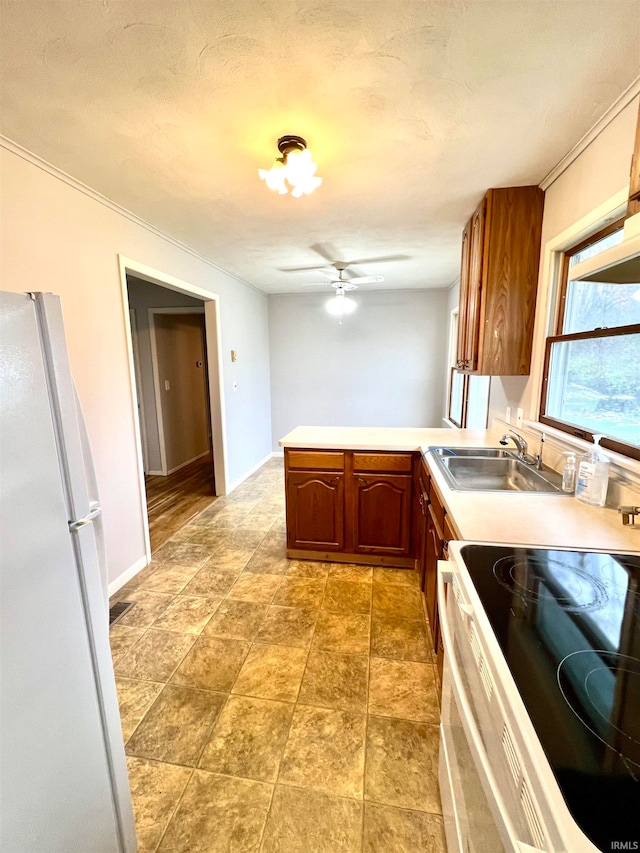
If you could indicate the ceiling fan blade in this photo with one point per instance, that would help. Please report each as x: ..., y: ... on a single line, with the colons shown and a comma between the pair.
x: 326, y: 251
x: 327, y: 283
x: 367, y: 279
x: 303, y: 269
x: 383, y: 260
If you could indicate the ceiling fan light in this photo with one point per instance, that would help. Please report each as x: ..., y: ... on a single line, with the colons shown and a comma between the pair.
x: 340, y: 305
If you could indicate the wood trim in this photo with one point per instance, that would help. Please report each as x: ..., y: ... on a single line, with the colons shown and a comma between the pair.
x: 613, y: 332
x: 392, y: 560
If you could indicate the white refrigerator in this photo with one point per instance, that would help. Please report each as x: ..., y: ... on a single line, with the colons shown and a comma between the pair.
x: 63, y: 777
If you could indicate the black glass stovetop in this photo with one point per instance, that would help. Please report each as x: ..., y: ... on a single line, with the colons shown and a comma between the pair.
x: 568, y: 624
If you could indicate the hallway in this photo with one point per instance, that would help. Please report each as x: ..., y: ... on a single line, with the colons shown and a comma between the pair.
x: 172, y: 501
x: 271, y: 704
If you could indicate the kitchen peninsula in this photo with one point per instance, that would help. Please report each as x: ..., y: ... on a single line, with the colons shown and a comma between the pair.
x: 509, y: 517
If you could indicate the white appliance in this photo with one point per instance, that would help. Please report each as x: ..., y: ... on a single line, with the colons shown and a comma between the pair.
x: 63, y: 778
x: 540, y: 746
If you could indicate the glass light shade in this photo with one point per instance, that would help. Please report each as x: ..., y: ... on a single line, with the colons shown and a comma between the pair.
x: 296, y: 169
x: 339, y: 305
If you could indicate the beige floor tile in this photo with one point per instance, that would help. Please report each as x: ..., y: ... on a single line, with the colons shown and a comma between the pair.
x: 210, y: 583
x: 218, y: 814
x: 183, y: 554
x: 275, y: 543
x: 248, y: 738
x: 212, y: 664
x: 402, y: 764
x: 272, y: 672
x: 325, y: 751
x: 351, y: 572
x: 397, y: 600
x: 187, y: 614
x: 342, y: 632
x: 155, y: 791
x: 388, y: 830
x: 211, y: 537
x: 169, y: 578
x: 408, y: 577
x: 155, y: 656
x: 146, y: 609
x: 302, y: 821
x: 335, y: 681
x: 250, y: 587
x: 308, y: 569
x: 347, y: 597
x: 265, y: 563
x: 300, y: 592
x: 237, y: 620
x: 230, y: 558
x: 400, y: 639
x: 134, y: 698
x: 244, y: 537
x: 121, y: 638
x: 144, y: 574
x: 287, y: 626
x: 403, y: 689
x: 176, y: 727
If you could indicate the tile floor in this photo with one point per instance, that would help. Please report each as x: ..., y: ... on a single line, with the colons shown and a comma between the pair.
x: 275, y: 705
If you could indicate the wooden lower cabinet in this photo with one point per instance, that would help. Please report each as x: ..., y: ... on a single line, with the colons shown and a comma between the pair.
x: 315, y: 510
x: 433, y: 553
x: 350, y: 505
x: 381, y: 521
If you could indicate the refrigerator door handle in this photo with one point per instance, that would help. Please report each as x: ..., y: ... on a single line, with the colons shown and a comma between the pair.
x: 96, y: 510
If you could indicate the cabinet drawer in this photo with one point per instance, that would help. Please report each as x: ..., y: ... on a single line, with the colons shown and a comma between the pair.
x: 391, y: 462
x: 437, y: 508
x: 316, y: 460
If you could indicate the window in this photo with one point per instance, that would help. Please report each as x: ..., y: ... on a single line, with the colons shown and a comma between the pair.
x: 592, y: 364
x: 468, y: 395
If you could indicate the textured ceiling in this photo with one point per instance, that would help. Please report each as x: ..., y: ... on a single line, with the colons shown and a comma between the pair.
x: 411, y: 108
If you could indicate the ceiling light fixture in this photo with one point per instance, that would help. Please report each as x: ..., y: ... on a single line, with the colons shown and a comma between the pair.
x: 295, y: 168
x: 341, y: 304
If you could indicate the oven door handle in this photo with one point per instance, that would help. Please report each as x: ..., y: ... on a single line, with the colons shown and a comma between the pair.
x: 473, y: 737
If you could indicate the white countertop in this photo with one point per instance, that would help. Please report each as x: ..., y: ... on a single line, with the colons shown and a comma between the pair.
x: 510, y: 517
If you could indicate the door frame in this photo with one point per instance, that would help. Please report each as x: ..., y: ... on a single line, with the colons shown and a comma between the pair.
x: 135, y: 351
x: 156, y: 381
x: 214, y: 364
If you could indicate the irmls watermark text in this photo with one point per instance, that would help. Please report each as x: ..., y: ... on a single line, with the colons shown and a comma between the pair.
x: 625, y: 845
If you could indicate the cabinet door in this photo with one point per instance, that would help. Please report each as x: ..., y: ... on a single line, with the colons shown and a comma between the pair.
x: 474, y: 289
x: 382, y: 513
x: 315, y: 510
x: 433, y: 553
x: 461, y: 346
x: 421, y: 529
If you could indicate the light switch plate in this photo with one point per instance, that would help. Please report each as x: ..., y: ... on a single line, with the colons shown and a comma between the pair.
x: 519, y: 416
x: 507, y: 415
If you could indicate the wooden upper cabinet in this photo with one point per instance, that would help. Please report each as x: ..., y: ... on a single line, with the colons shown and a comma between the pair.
x: 498, y: 282
x: 382, y: 513
x: 315, y: 510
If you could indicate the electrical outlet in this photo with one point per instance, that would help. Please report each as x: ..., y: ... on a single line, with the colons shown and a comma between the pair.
x: 519, y: 416
x: 507, y: 415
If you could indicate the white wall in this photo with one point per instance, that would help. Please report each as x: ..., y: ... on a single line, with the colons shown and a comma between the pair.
x: 142, y: 296
x: 601, y: 171
x: 385, y: 366
x: 55, y: 237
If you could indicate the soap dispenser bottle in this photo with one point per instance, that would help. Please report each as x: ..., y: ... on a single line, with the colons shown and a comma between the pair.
x: 593, y: 476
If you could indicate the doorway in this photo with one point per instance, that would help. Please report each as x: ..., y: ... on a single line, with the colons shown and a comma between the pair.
x: 174, y: 351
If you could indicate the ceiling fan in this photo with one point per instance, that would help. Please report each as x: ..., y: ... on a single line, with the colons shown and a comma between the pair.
x: 342, y: 284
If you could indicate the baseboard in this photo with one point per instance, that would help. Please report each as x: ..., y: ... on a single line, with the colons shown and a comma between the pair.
x: 278, y: 454
x: 126, y: 576
x: 248, y: 473
x: 153, y: 474
x: 188, y: 462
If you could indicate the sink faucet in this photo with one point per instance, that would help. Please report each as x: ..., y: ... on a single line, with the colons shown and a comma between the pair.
x: 521, y: 444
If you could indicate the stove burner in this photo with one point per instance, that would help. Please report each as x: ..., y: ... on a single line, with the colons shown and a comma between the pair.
x: 573, y: 588
x: 589, y: 681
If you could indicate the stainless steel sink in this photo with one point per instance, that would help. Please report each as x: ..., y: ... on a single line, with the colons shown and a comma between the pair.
x: 494, y: 471
x: 492, y: 452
